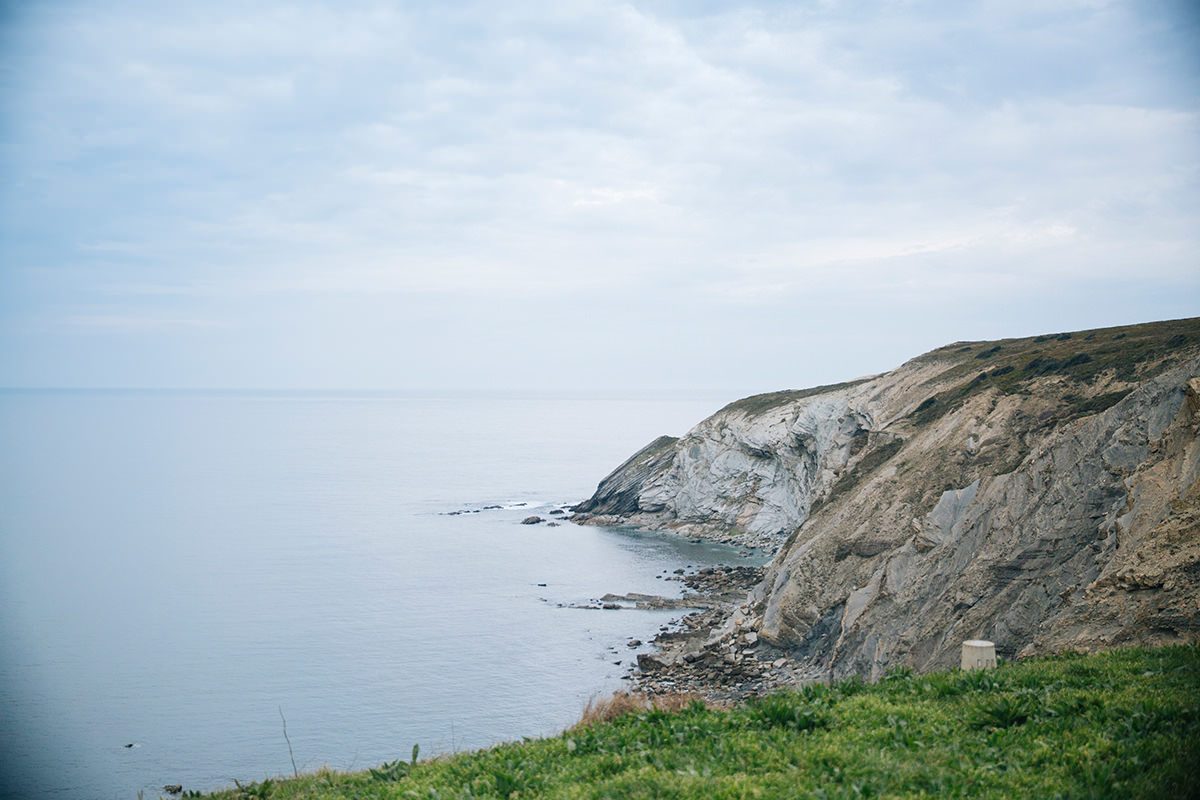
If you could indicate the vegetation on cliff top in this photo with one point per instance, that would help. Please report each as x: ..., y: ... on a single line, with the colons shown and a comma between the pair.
x: 1125, y: 354
x: 762, y: 403
x: 1123, y: 724
x: 1078, y: 360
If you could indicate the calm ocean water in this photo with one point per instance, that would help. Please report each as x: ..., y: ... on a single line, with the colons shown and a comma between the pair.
x: 177, y: 569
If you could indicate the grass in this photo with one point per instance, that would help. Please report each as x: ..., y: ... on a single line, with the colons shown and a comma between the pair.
x: 1123, y: 724
x: 1011, y: 365
x: 1082, y: 355
x: 762, y: 403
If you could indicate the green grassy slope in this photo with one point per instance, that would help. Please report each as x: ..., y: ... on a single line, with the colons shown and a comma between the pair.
x: 1113, y: 725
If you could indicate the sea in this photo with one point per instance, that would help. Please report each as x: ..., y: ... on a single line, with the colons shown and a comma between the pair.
x: 203, y: 587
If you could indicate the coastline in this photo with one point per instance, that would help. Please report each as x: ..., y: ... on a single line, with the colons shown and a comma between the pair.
x: 715, y: 651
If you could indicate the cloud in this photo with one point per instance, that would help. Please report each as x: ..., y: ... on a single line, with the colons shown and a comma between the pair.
x: 608, y: 196
x: 726, y: 155
x: 137, y: 324
x: 137, y: 289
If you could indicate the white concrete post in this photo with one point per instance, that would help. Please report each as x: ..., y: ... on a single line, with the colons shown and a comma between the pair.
x: 978, y: 654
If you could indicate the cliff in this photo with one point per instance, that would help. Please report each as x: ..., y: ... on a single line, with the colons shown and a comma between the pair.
x: 1042, y: 493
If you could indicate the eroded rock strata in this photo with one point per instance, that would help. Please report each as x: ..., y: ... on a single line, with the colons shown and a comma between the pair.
x: 1041, y: 493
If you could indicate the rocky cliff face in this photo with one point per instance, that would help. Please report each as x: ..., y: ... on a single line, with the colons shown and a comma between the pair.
x: 1041, y: 493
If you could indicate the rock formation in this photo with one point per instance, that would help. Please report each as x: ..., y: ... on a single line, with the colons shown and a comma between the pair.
x: 1042, y: 493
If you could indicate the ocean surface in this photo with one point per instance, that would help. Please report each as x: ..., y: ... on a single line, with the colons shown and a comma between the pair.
x: 183, y: 572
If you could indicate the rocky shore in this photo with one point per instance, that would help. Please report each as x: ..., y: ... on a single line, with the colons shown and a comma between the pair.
x: 716, y: 532
x: 715, y: 651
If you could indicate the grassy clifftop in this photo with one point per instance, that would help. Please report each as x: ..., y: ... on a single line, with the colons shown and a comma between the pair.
x: 1088, y: 371
x: 1123, y: 355
x: 1123, y: 724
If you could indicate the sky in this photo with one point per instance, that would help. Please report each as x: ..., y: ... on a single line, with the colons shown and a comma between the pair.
x: 666, y: 196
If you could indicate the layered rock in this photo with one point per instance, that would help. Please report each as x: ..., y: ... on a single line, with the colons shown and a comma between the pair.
x: 1041, y: 493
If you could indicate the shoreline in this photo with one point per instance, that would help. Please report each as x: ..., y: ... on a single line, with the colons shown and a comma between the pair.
x: 714, y: 651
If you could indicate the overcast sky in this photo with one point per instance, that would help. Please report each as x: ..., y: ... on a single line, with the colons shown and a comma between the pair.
x: 667, y: 196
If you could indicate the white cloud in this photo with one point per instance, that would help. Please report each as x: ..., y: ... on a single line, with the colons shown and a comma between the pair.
x: 123, y: 324
x: 744, y: 157
x: 608, y: 196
